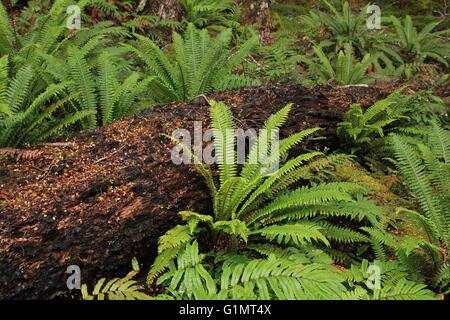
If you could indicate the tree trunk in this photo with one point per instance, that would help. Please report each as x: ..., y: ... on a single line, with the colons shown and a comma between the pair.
x: 166, y: 9
x: 256, y: 12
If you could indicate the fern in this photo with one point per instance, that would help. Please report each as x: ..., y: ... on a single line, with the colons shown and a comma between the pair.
x: 281, y: 279
x: 28, y: 114
x: 344, y: 70
x: 363, y: 132
x: 117, y: 288
x: 223, y: 134
x: 410, y: 48
x: 280, y: 60
x: 256, y: 279
x: 343, y: 25
x: 414, y: 173
x: 393, y: 281
x: 298, y: 234
x: 202, y: 64
x: 118, y: 99
x: 422, y: 172
x: 252, y: 212
x: 6, y: 32
x: 214, y: 15
x: 83, y: 81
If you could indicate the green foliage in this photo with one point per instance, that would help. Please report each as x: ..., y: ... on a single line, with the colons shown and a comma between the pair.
x: 342, y: 25
x: 6, y: 32
x: 287, y: 18
x: 363, y: 132
x: 280, y: 60
x: 240, y: 278
x: 55, y: 78
x: 50, y: 35
x: 253, y: 208
x: 118, y: 288
x: 294, y: 275
x: 27, y: 111
x: 425, y: 170
x: 345, y: 69
x: 361, y: 128
x: 412, y: 50
x: 119, y: 99
x: 211, y: 14
x: 201, y: 64
x: 394, y: 283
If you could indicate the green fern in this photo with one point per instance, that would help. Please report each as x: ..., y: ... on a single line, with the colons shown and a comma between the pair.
x: 364, y: 132
x: 254, y: 279
x: 214, y: 15
x: 118, y: 288
x: 410, y: 49
x: 254, y: 209
x: 426, y: 174
x: 202, y: 64
x: 343, y: 25
x: 393, y: 283
x: 6, y: 32
x: 27, y: 114
x: 344, y: 69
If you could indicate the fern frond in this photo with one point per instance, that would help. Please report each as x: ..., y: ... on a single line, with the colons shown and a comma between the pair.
x: 116, y: 289
x: 83, y: 80
x: 298, y: 233
x: 107, y: 83
x: 6, y: 32
x: 174, y: 238
x: 224, y: 139
x: 415, y: 178
x: 282, y: 279
x: 19, y: 87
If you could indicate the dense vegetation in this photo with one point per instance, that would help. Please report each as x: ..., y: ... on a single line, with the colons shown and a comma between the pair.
x: 306, y: 230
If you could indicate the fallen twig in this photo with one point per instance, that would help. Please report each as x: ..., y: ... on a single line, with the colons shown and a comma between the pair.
x: 110, y: 155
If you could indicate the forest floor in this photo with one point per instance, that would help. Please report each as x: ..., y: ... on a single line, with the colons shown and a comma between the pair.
x: 106, y: 195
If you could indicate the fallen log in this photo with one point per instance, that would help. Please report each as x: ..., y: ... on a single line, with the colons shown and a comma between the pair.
x: 106, y: 195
